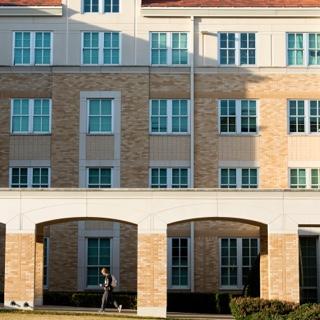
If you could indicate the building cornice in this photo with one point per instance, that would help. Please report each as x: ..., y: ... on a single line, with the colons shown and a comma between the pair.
x: 31, y: 11
x: 245, y: 12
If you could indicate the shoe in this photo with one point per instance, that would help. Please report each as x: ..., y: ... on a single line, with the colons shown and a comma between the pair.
x: 100, y: 310
x: 120, y: 308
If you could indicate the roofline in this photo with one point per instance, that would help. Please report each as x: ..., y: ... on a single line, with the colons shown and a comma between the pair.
x: 225, y: 12
x: 25, y: 11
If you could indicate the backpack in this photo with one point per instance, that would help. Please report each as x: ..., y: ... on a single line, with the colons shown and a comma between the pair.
x: 114, y: 282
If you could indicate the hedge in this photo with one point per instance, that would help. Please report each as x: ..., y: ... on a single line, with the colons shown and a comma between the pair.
x: 177, y: 301
x: 260, y: 309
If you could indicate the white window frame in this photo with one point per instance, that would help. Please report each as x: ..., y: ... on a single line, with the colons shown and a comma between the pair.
x: 169, y: 118
x: 31, y: 115
x: 307, y: 115
x: 239, y: 266
x: 95, y: 133
x: 30, y: 176
x: 101, y: 8
x: 169, y: 49
x: 86, y: 259
x: 169, y: 177
x: 306, y: 62
x: 32, y: 48
x: 47, y: 250
x: 237, y: 50
x: 111, y: 173
x: 238, y: 118
x: 101, y: 48
x: 239, y: 177
x: 308, y: 177
x: 170, y: 264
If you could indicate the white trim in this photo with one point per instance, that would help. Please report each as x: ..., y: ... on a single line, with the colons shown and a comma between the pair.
x: 239, y: 177
x: 169, y: 118
x: 101, y: 48
x: 169, y: 49
x: 32, y: 48
x: 169, y: 177
x: 237, y: 36
x: 174, y: 287
x: 30, y: 176
x: 31, y: 117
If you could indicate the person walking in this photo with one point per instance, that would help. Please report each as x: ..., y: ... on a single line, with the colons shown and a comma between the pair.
x: 110, y: 282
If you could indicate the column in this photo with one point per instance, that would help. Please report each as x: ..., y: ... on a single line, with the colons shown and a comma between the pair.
x: 38, y: 299
x: 20, y: 267
x: 264, y: 272
x: 283, y: 259
x: 152, y: 272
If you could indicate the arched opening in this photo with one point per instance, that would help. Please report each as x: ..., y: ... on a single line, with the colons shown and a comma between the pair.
x: 210, y: 260
x: 75, y: 250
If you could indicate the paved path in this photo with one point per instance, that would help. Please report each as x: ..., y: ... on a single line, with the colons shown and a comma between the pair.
x: 173, y: 315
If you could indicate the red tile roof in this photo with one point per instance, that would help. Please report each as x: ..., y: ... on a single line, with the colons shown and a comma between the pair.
x: 231, y: 3
x: 21, y: 3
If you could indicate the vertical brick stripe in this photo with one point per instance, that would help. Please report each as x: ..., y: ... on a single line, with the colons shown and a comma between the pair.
x: 152, y: 270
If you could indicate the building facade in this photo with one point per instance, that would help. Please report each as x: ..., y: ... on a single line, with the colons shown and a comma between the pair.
x: 217, y: 102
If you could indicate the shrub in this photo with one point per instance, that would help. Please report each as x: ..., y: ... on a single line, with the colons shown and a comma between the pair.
x: 306, y: 312
x: 57, y: 298
x: 93, y: 299
x: 191, y: 302
x: 243, y: 307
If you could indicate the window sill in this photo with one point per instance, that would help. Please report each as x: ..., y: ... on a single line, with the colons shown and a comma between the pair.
x: 239, y: 135
x: 169, y: 134
x: 30, y: 134
x: 99, y: 134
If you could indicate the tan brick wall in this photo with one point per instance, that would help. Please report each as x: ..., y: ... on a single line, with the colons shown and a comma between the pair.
x: 2, y: 254
x: 19, y: 268
x: 152, y: 270
x: 39, y: 270
x: 182, y: 229
x: 128, y: 257
x: 283, y: 256
x: 63, y: 257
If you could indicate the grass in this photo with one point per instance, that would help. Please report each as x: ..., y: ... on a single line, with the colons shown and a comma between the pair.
x: 51, y: 315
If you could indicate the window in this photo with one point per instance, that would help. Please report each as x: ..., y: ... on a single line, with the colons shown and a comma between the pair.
x: 298, y: 178
x: 101, y: 48
x: 179, y: 263
x: 169, y: 116
x: 303, y: 49
x: 98, y: 257
x: 159, y: 48
x: 102, y: 6
x: 304, y: 116
x: 169, y: 48
x: 29, y: 177
x: 169, y: 178
x: 237, y: 48
x: 31, y: 116
x: 32, y: 48
x: 231, y: 178
x: 238, y: 116
x: 99, y: 178
x: 249, y: 179
x: 315, y: 178
x: 237, y: 256
x: 45, y: 262
x: 100, y: 116
x: 304, y: 178
x: 308, y: 269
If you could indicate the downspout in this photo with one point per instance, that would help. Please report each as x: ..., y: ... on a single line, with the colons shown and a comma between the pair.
x: 192, y: 36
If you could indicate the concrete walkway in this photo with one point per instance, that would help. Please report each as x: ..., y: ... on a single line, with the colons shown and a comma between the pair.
x: 132, y: 313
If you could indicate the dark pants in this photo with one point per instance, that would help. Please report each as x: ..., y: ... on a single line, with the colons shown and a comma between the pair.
x: 107, y: 298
